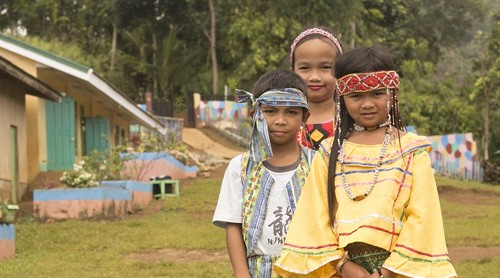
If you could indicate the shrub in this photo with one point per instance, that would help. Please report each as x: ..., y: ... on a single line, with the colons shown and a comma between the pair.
x: 79, y: 177
x: 93, y: 169
x: 491, y: 172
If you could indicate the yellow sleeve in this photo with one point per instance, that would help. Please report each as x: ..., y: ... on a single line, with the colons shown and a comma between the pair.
x: 311, y: 246
x: 420, y: 250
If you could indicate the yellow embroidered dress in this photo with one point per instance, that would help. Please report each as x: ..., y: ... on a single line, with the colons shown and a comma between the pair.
x: 401, y: 214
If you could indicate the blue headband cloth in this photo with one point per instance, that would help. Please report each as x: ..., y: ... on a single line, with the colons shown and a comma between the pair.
x: 260, y: 144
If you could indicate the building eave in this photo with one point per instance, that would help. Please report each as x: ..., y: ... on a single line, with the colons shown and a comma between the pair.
x: 81, y: 72
x: 33, y: 86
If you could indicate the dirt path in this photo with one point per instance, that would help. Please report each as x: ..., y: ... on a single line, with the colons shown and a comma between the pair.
x: 460, y: 254
x: 179, y: 256
x: 199, y: 140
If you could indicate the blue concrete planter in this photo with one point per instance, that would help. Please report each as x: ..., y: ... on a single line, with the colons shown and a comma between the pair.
x: 162, y: 156
x: 7, y: 241
x: 129, y: 185
x: 7, y: 232
x: 142, y: 192
x: 82, y: 203
x: 155, y: 164
x: 92, y: 193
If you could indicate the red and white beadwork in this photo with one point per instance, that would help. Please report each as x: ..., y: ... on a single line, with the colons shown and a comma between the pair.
x: 366, y: 82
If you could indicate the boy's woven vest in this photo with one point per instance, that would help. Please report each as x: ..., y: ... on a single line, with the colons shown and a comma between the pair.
x: 257, y: 183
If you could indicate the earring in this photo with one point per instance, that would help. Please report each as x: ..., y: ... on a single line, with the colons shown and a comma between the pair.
x: 388, y: 105
x: 304, y: 137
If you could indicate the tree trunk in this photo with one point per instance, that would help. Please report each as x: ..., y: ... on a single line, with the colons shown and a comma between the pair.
x: 486, y: 121
x: 155, y: 67
x: 113, y: 48
x: 353, y: 34
x: 213, y: 48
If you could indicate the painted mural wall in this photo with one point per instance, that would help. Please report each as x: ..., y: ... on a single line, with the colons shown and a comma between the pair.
x: 229, y: 117
x: 455, y: 155
x: 220, y: 113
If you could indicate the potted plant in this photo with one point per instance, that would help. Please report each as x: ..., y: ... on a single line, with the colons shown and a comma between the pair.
x: 7, y: 211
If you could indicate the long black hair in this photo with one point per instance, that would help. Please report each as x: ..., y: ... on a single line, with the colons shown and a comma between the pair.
x: 357, y: 60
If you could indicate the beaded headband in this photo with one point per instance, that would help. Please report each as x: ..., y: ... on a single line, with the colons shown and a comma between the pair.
x: 312, y: 31
x: 366, y: 82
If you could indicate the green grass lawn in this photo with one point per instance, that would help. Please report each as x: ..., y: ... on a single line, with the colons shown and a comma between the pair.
x: 475, y: 224
x: 99, y: 248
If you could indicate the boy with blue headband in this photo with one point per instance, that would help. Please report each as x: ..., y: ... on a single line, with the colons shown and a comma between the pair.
x: 261, y: 187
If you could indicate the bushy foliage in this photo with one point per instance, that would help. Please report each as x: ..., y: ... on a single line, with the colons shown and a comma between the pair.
x: 448, y: 75
x: 106, y: 166
x: 70, y: 51
x: 149, y: 142
x: 491, y: 172
x: 93, y: 169
x: 80, y: 176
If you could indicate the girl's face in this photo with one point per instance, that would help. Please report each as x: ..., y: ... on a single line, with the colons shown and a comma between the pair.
x: 314, y: 60
x: 283, y: 122
x: 367, y: 109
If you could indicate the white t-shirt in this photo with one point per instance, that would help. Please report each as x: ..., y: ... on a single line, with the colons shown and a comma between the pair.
x: 278, y: 213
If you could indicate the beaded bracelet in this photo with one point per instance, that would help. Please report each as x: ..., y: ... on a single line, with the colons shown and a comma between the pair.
x: 379, y: 270
x: 342, y: 261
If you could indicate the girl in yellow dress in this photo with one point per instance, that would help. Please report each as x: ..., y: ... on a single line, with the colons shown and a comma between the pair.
x: 377, y: 212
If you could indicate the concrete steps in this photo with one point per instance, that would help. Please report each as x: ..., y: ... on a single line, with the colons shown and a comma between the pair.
x: 43, y: 180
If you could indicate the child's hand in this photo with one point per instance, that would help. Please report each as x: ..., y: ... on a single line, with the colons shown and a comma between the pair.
x: 353, y: 270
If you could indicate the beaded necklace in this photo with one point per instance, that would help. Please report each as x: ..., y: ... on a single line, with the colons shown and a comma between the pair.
x: 362, y: 128
x: 345, y: 184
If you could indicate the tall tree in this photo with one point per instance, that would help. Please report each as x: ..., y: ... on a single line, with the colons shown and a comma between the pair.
x: 179, y: 46
x: 260, y: 33
x: 213, y: 46
x: 487, y: 85
x: 114, y: 38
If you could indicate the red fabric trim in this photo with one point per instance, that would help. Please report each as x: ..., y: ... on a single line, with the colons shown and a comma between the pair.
x: 420, y: 252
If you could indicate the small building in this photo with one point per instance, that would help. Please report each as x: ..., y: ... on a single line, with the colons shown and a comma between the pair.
x: 92, y: 114
x: 15, y: 86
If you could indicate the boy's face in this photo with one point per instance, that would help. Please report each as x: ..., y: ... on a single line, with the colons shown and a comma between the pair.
x: 283, y: 122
